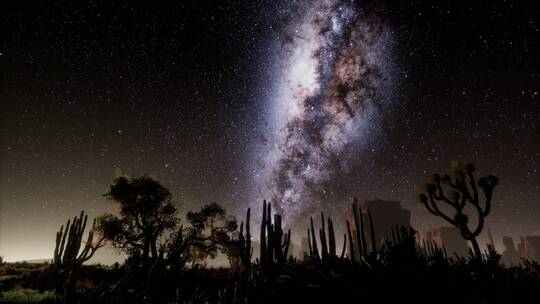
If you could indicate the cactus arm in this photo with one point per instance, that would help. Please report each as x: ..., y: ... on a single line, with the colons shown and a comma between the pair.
x: 287, y: 243
x: 314, y: 240
x: 263, y: 249
x: 248, y: 235
x: 372, y: 233
x: 80, y: 234
x: 331, y: 238
x: 359, y: 243
x: 322, y: 235
x: 309, y: 244
x: 344, y: 246
x: 271, y: 234
x: 351, y: 244
x: 57, y: 252
x: 363, y: 234
x: 68, y: 240
x: 63, y: 243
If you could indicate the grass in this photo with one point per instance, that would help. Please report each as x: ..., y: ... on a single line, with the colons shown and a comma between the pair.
x: 28, y: 296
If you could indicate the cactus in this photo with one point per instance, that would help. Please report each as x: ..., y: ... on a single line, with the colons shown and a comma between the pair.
x: 324, y: 245
x: 246, y: 251
x: 274, y: 243
x: 312, y: 241
x: 372, y: 232
x: 68, y: 256
x: 351, y: 244
x: 360, y: 248
x: 431, y: 250
x: 69, y: 241
x: 328, y: 245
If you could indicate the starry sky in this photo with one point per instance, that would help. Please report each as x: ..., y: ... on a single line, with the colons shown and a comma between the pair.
x: 215, y: 100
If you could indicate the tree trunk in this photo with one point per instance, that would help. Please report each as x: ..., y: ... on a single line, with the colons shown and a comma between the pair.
x: 153, y: 247
x: 146, y: 250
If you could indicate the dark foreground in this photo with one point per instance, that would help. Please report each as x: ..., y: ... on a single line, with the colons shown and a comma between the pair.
x: 163, y: 256
x: 392, y: 276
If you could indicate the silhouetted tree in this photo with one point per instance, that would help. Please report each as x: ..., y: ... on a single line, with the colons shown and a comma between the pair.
x: 178, y: 248
x: 211, y: 230
x: 239, y: 250
x: 146, y: 212
x: 462, y: 190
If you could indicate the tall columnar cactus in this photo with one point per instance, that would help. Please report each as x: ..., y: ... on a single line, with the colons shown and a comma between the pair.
x: 358, y: 244
x: 352, y: 252
x: 322, y: 235
x: 246, y: 251
x: 312, y: 242
x: 372, y: 232
x: 67, y: 253
x: 68, y: 256
x: 462, y: 190
x: 274, y: 243
x: 328, y: 245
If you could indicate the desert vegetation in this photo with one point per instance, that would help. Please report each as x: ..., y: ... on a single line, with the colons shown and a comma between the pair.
x: 165, y: 255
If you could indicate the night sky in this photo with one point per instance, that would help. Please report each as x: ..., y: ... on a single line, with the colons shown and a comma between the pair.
x: 204, y: 96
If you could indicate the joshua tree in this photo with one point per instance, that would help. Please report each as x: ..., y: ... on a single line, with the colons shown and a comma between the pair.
x: 462, y: 191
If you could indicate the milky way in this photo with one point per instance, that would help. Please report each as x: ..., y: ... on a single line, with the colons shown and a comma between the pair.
x: 334, y: 61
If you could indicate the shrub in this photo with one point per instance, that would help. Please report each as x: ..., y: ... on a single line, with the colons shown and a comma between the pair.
x: 28, y: 296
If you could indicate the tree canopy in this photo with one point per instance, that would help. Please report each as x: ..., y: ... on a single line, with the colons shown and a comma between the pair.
x: 146, y: 212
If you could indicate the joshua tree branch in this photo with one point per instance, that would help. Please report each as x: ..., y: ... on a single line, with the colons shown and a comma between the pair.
x: 439, y: 212
x: 428, y: 207
x: 441, y: 195
x: 465, y: 189
x: 473, y: 187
